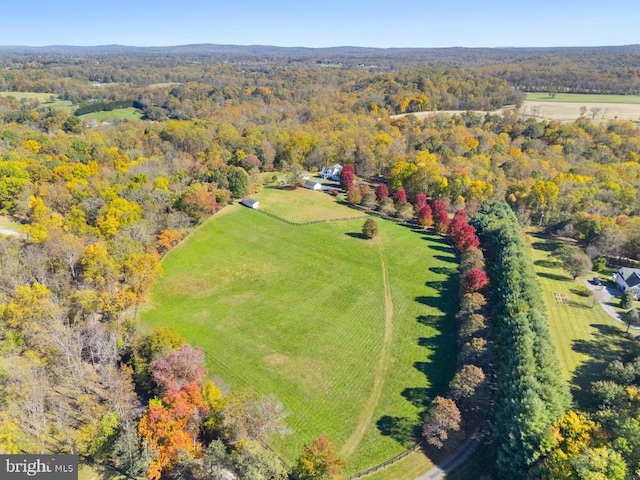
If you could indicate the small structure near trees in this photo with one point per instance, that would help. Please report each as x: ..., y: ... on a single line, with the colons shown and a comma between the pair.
x: 313, y: 185
x: 251, y: 203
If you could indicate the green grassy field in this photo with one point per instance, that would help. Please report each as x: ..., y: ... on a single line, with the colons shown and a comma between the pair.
x: 306, y: 313
x: 163, y: 84
x: 581, y: 98
x: 119, y: 114
x: 43, y: 98
x: 304, y: 205
x: 586, y: 337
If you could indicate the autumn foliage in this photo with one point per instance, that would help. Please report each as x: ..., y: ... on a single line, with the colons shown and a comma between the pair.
x: 178, y: 368
x: 382, y: 192
x: 400, y: 197
x: 318, y: 461
x: 170, y: 428
x: 347, y: 177
x: 440, y: 217
x: 425, y: 217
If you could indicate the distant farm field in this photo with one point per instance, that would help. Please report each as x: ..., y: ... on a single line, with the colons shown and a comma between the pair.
x: 565, y: 107
x: 354, y: 336
x: 111, y: 115
x: 43, y: 98
x: 582, y: 98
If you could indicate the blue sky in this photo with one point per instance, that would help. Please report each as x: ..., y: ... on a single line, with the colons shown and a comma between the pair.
x: 372, y: 23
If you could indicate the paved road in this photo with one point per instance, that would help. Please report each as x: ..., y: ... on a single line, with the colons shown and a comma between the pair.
x: 458, y: 458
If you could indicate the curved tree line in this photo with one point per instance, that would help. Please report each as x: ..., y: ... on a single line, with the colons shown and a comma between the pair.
x: 530, y: 391
x: 107, y: 106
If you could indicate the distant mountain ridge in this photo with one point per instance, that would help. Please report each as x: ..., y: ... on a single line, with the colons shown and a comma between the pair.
x: 207, y: 49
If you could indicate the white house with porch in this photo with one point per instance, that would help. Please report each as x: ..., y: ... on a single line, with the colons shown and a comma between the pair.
x: 628, y: 279
x: 332, y: 173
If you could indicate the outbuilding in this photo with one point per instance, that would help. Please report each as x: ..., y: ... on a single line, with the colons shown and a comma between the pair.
x: 251, y: 203
x: 313, y: 185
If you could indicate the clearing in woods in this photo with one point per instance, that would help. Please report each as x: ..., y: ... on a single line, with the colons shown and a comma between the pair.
x: 355, y: 337
x: 565, y: 107
x: 586, y: 337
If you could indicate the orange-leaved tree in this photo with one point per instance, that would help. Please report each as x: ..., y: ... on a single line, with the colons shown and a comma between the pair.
x: 170, y: 427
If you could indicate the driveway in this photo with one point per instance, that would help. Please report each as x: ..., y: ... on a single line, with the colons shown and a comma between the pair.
x: 610, y: 293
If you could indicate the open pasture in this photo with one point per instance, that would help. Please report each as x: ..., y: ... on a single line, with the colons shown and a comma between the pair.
x: 564, y: 107
x: 354, y: 336
x: 304, y: 205
x: 43, y: 98
x: 582, y: 98
x: 111, y: 115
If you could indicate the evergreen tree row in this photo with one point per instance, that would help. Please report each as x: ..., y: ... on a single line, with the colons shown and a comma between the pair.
x: 107, y: 106
x: 530, y: 391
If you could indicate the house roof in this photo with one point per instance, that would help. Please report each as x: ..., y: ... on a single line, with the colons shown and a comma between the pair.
x: 312, y: 184
x: 249, y: 201
x: 631, y: 276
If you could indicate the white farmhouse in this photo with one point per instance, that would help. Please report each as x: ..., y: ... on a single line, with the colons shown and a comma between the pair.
x: 332, y: 173
x: 628, y: 279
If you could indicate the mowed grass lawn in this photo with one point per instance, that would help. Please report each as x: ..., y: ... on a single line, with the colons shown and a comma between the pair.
x: 586, y: 337
x: 118, y: 114
x: 299, y: 311
x: 303, y: 205
x: 581, y: 98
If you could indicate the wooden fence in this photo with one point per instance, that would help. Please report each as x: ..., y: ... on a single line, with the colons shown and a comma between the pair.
x: 391, y: 461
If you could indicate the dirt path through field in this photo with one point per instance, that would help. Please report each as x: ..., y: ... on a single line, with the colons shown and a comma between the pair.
x: 380, y: 371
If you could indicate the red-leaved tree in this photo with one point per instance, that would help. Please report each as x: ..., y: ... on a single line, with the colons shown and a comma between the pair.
x: 400, y: 197
x: 474, y: 281
x: 419, y: 202
x: 178, y: 368
x: 382, y: 192
x: 440, y: 217
x: 347, y: 177
x: 459, y: 220
x: 424, y: 216
x: 466, y: 238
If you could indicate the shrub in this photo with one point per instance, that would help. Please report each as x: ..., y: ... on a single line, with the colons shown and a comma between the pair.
x: 370, y: 228
x: 600, y: 264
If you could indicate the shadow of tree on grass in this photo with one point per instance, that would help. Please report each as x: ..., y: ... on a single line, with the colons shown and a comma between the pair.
x: 554, y: 276
x: 403, y: 430
x: 357, y: 235
x: 439, y: 363
x: 547, y: 263
x: 609, y: 343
